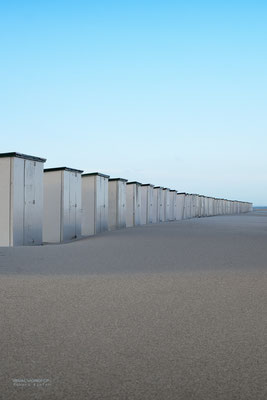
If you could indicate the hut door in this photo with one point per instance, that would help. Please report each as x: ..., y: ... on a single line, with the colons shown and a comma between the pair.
x: 73, y: 208
x: 29, y: 222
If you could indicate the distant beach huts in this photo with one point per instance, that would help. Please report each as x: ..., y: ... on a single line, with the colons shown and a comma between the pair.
x: 61, y: 204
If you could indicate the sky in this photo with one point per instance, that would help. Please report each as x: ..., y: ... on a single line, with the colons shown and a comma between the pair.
x: 172, y: 93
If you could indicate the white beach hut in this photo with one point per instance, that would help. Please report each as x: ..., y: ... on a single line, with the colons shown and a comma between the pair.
x: 173, y: 204
x: 133, y: 204
x: 180, y: 202
x: 21, y: 199
x: 117, y: 203
x: 166, y: 204
x: 95, y: 203
x: 188, y: 206
x: 147, y: 208
x: 158, y: 204
x: 62, y: 204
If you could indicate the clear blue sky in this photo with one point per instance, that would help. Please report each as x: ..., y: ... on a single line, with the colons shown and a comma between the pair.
x: 168, y: 92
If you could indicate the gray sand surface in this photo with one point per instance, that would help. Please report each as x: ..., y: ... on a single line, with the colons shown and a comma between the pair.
x: 168, y: 311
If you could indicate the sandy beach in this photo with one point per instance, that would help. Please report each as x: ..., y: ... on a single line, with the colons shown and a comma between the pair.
x: 167, y: 311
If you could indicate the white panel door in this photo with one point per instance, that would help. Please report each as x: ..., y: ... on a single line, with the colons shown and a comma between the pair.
x: 130, y: 206
x: 76, y: 190
x: 102, y: 203
x: 98, y: 204
x: 105, y: 205
x: 113, y: 204
x: 33, y: 202
x: 17, y: 181
x: 103, y: 200
x: 138, y: 205
x: 134, y: 202
x: 5, y: 201
x: 180, y: 206
x: 155, y: 205
x: 122, y: 204
x: 161, y: 206
x: 174, y: 205
x: 78, y: 205
x: 144, y: 197
x: 150, y: 205
x: 171, y: 207
x: 66, y: 223
x: 73, y: 204
x: 167, y: 205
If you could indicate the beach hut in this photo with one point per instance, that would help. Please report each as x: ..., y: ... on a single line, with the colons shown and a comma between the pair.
x: 225, y: 206
x: 62, y: 204
x: 95, y: 203
x: 215, y: 206
x: 21, y: 199
x: 211, y: 206
x: 173, y: 204
x: 205, y: 209
x: 228, y: 207
x: 202, y: 206
x: 147, y: 208
x: 188, y: 206
x: 194, y: 209
x: 221, y: 206
x: 166, y: 204
x: 180, y: 202
x: 247, y: 207
x: 198, y: 206
x: 233, y: 207
x: 193, y: 205
x: 158, y: 213
x: 117, y: 203
x: 133, y: 204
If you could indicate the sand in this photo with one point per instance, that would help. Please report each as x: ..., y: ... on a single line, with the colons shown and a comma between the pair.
x: 169, y: 311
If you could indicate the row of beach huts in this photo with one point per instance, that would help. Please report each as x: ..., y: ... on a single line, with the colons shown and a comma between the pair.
x: 59, y: 204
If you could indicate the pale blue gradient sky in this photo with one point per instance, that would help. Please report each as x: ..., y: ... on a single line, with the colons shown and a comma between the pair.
x: 173, y: 93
